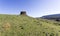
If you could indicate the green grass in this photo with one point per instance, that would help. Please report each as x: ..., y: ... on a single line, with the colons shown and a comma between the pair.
x: 20, y: 25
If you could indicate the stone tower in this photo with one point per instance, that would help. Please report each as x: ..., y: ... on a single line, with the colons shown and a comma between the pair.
x: 23, y: 13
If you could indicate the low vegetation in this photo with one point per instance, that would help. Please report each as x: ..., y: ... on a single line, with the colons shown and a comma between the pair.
x: 20, y: 25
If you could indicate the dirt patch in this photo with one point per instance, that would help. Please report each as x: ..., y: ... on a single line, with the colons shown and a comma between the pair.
x: 6, y: 26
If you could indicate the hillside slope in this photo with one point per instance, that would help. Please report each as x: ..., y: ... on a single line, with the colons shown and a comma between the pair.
x: 52, y: 17
x: 20, y: 25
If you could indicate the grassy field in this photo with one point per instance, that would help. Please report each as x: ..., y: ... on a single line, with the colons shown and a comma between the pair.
x: 20, y: 25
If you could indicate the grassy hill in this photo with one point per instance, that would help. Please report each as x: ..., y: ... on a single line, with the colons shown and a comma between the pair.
x: 20, y: 25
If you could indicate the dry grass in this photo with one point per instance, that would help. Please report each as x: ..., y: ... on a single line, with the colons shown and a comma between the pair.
x: 6, y: 26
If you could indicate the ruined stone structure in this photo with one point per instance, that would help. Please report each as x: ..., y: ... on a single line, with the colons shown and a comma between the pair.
x: 23, y: 13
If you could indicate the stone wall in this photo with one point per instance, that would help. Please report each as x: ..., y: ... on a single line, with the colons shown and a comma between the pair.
x: 23, y: 13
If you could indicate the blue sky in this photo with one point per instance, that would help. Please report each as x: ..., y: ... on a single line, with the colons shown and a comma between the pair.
x: 34, y: 8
